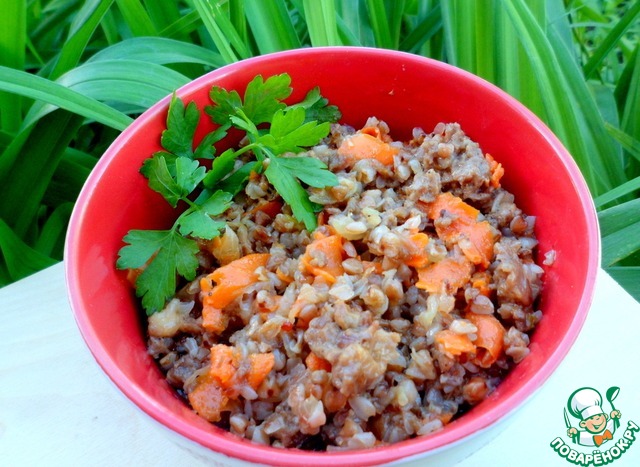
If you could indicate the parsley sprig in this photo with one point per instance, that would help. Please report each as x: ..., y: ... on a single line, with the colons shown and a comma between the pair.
x: 273, y: 131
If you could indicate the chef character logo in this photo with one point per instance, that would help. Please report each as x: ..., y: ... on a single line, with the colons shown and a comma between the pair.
x: 596, y: 436
x: 596, y: 425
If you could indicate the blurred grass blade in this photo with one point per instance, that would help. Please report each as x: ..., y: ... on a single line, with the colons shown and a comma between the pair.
x: 69, y: 177
x: 182, y: 26
x: 159, y: 50
x: 354, y: 23
x: 20, y: 259
x: 320, y: 16
x: 35, y: 87
x: 630, y: 121
x: 51, y: 239
x: 619, y: 227
x: 628, y: 142
x: 271, y: 25
x: 221, y: 28
x: 380, y: 23
x: 459, y: 22
x: 610, y: 41
x: 131, y: 81
x: 13, y: 40
x: 238, y: 19
x: 425, y: 30
x: 628, y: 277
x: 91, y: 14
x: 618, y: 192
x: 136, y: 17
x: 34, y: 169
x: 206, y: 11
x: 162, y: 13
x: 567, y: 100
x: 602, y: 155
x: 621, y: 244
x: 618, y: 217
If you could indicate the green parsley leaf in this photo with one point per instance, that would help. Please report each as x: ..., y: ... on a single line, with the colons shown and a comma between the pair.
x: 263, y: 98
x: 272, y: 128
x: 221, y: 167
x: 161, y: 180
x: 181, y: 126
x: 206, y: 148
x: 309, y: 170
x: 236, y: 182
x: 289, y: 133
x: 291, y: 191
x: 142, y: 245
x: 317, y: 108
x: 175, y: 254
x: 170, y: 162
x: 226, y: 104
x: 198, y: 222
x: 188, y: 174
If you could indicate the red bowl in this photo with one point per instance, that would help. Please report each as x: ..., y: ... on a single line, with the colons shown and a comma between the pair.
x: 405, y: 91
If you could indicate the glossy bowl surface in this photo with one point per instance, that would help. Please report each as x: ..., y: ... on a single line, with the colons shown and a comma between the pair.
x: 405, y: 91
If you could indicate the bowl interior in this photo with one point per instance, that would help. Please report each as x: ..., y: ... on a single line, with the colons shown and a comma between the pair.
x: 405, y: 91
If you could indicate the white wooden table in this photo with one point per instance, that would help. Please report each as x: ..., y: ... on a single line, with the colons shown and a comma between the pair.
x: 58, y: 408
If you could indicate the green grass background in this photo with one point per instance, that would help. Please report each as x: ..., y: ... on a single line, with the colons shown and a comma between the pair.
x: 74, y: 73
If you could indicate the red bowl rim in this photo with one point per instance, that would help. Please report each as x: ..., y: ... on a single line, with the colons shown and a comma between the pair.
x: 257, y: 453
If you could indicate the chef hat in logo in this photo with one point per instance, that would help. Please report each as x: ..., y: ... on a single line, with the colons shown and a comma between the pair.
x: 585, y: 403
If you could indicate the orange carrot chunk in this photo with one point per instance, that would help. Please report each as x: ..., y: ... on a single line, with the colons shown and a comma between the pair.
x: 417, y: 257
x: 454, y: 205
x: 323, y: 257
x: 260, y: 365
x: 231, y: 280
x: 270, y: 208
x: 475, y: 238
x: 481, y: 280
x: 445, y: 276
x: 497, y: 171
x: 208, y: 398
x: 224, y: 364
x: 214, y: 320
x: 365, y: 146
x: 453, y: 343
x: 490, y: 340
x: 315, y: 363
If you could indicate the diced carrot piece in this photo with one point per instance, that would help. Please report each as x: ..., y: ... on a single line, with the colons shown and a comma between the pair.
x: 214, y: 320
x: 479, y: 248
x: 232, y: 279
x: 283, y: 277
x: 497, y: 171
x: 260, y: 365
x: 208, y: 398
x: 377, y: 266
x: 418, y: 257
x: 454, y: 205
x: 270, y: 208
x: 490, y: 340
x: 464, y: 225
x: 445, y: 276
x: 372, y: 130
x: 315, y: 363
x: 481, y: 280
x: 365, y: 146
x: 453, y: 343
x: 224, y: 364
x: 330, y: 250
